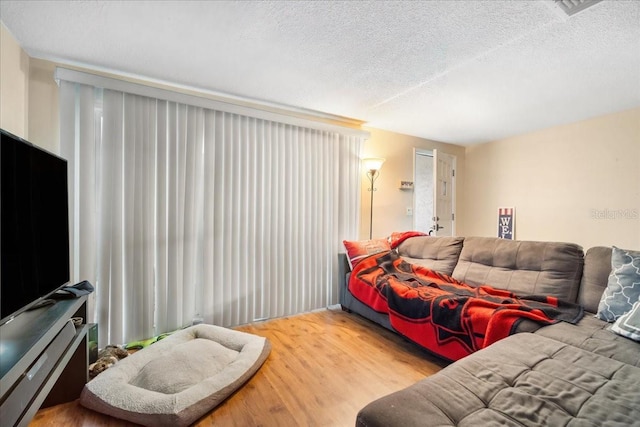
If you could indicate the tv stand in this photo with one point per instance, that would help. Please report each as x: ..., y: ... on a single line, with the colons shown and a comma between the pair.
x: 42, y: 303
x: 41, y: 351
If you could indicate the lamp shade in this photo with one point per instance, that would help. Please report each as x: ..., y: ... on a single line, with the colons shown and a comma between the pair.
x: 373, y: 163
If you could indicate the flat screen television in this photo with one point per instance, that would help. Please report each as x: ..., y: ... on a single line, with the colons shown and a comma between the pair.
x: 34, y: 233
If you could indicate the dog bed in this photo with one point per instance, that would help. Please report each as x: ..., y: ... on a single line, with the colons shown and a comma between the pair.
x: 179, y: 379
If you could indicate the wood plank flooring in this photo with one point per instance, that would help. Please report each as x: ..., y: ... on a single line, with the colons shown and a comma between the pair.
x: 323, y: 368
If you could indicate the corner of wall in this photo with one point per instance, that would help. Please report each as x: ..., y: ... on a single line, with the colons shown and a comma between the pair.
x: 14, y: 85
x: 44, y: 123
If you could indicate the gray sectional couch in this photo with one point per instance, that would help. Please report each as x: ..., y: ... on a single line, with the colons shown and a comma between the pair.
x: 556, y: 375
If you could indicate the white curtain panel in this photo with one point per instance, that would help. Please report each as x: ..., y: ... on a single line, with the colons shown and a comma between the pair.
x: 181, y: 211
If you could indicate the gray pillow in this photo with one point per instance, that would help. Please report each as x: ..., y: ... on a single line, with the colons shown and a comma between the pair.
x: 628, y: 325
x: 623, y: 288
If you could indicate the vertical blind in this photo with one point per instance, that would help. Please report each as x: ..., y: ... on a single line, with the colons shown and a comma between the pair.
x: 181, y: 211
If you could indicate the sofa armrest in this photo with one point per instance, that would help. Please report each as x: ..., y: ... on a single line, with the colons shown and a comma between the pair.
x: 343, y: 271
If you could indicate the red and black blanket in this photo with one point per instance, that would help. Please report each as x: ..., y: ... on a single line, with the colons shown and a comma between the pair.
x: 447, y: 317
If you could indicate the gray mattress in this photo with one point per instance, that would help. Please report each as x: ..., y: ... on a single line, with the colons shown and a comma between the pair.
x: 523, y: 380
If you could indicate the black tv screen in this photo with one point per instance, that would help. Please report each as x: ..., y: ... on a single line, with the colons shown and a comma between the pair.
x: 34, y: 216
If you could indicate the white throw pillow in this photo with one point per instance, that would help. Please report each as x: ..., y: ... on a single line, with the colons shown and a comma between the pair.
x: 628, y: 325
x: 623, y: 288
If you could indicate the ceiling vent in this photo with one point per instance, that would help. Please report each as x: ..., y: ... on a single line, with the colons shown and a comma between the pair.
x: 571, y: 7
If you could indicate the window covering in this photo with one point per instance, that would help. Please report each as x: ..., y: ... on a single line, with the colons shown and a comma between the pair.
x: 181, y: 211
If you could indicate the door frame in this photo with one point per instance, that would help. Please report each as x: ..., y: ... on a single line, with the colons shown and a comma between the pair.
x: 433, y: 153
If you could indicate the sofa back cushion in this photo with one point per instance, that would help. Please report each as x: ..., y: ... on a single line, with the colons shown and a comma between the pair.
x: 597, y: 267
x: 523, y: 267
x: 437, y: 253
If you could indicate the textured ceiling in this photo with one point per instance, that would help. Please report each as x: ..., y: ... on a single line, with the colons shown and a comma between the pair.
x: 456, y: 71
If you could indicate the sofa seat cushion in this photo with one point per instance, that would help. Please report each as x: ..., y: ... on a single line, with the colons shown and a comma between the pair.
x: 523, y: 380
x: 179, y: 379
x: 594, y: 335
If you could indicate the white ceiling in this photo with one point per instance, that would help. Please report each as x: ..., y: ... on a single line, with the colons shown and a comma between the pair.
x: 455, y: 71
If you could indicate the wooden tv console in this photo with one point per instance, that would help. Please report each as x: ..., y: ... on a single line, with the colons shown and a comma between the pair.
x: 43, y: 360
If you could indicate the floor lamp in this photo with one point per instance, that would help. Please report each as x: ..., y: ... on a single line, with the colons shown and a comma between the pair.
x: 372, y: 166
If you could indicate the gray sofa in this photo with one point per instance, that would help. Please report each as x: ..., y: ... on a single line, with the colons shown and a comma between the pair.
x: 556, y: 375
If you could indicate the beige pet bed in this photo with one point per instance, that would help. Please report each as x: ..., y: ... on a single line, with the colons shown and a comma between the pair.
x: 179, y: 379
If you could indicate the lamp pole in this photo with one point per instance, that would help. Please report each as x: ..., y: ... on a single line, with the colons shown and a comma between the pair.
x: 372, y: 174
x: 372, y: 166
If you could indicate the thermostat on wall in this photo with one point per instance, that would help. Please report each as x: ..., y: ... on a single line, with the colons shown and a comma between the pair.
x: 406, y: 185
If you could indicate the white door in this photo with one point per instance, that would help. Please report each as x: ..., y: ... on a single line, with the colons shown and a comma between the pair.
x: 423, y: 190
x: 444, y: 175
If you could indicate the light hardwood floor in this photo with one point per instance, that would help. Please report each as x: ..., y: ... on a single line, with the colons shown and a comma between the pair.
x: 323, y: 367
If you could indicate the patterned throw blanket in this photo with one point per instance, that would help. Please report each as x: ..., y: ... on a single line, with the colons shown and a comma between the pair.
x: 447, y: 317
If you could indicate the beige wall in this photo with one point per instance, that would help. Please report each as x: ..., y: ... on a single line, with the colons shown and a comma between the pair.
x: 577, y: 183
x: 44, y: 123
x: 28, y: 95
x: 389, y: 202
x: 14, y: 85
